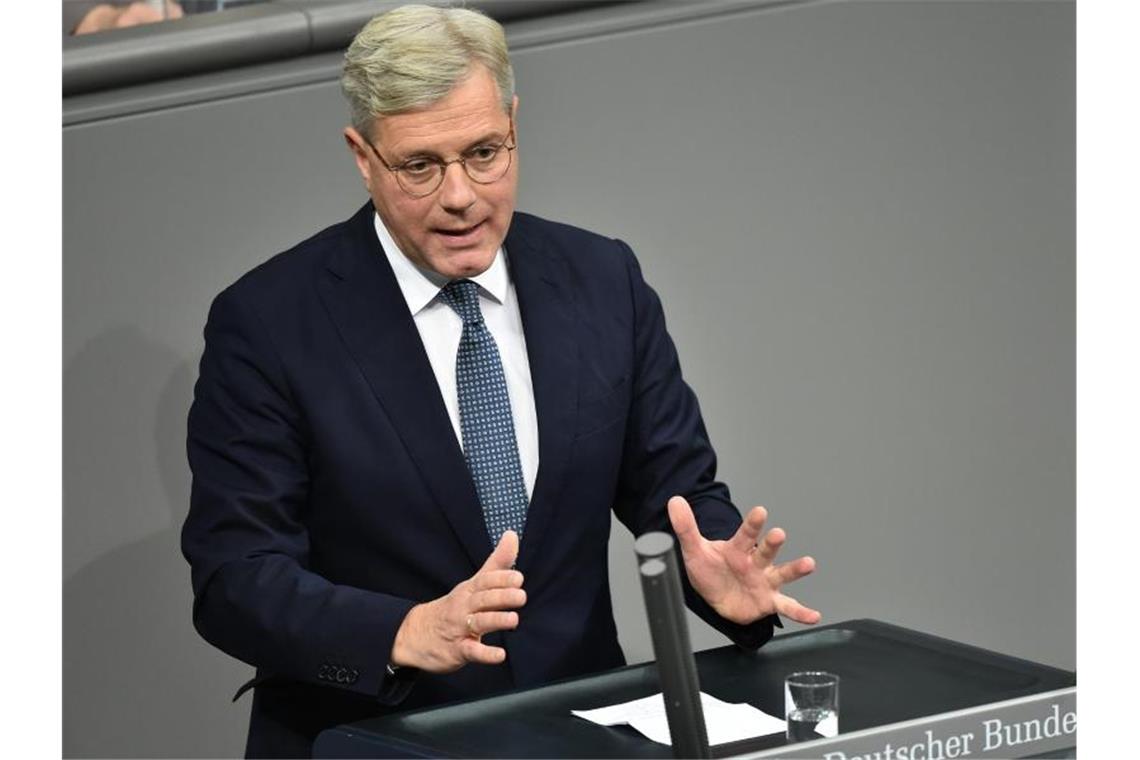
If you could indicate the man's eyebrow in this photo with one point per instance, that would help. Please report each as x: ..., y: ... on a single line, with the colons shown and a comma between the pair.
x: 494, y: 137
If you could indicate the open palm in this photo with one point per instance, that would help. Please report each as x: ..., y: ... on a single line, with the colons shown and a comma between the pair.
x: 739, y: 577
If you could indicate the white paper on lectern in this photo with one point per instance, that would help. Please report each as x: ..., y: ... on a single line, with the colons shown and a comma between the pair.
x: 724, y: 722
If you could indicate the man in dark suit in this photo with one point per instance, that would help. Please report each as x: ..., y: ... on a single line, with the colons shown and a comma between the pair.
x: 409, y: 430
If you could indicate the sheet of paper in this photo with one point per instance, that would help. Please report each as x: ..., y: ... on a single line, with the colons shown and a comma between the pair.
x: 724, y: 721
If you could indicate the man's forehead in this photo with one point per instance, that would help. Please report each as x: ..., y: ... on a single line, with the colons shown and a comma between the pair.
x: 393, y: 130
x: 472, y: 110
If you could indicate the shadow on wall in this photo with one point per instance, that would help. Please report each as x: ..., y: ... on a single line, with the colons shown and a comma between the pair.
x: 132, y: 661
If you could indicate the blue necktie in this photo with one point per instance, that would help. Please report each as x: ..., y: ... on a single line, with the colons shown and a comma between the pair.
x: 485, y: 420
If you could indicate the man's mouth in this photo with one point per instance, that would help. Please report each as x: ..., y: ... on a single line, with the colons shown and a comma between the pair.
x: 458, y: 232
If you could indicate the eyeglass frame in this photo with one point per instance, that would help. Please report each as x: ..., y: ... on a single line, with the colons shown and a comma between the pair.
x: 442, y: 164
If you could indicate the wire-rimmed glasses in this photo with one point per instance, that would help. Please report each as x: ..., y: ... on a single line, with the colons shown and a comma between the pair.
x: 421, y: 176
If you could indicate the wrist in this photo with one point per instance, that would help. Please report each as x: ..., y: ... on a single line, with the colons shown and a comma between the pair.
x: 404, y: 652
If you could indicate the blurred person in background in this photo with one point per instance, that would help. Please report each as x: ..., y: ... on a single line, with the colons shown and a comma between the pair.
x: 87, y: 16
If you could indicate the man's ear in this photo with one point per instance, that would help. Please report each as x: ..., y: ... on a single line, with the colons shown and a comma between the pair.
x: 515, y: 110
x: 360, y: 150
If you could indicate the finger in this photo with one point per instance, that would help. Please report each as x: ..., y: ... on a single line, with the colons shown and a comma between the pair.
x: 792, y: 609
x: 481, y: 623
x: 498, y: 599
x: 796, y: 569
x: 473, y: 650
x: 744, y: 539
x: 505, y: 554
x: 684, y: 525
x: 768, y: 548
x: 489, y: 579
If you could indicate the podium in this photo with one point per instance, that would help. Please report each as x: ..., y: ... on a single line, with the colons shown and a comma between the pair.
x: 888, y: 675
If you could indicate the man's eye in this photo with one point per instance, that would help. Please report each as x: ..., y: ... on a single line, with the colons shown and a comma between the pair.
x: 485, y: 153
x: 417, y: 168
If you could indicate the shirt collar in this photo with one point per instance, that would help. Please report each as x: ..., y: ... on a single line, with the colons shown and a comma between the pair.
x: 420, y: 286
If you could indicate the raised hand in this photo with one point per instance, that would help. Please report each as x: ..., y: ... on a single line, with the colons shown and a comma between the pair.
x: 444, y: 634
x: 738, y: 577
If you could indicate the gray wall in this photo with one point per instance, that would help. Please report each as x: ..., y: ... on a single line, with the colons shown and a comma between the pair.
x: 859, y: 216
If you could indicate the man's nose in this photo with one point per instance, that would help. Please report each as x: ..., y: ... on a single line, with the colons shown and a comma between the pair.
x: 456, y: 193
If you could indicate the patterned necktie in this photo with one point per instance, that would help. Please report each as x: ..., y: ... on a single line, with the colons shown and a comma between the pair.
x: 485, y: 420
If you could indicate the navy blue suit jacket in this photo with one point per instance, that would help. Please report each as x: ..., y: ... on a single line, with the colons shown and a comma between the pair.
x: 330, y: 494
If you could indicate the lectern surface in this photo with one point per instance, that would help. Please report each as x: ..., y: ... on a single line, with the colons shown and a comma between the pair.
x: 887, y: 674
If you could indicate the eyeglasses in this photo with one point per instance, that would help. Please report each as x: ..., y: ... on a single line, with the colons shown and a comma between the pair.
x: 421, y: 176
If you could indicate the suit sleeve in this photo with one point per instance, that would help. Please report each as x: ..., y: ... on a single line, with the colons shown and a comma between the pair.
x: 245, y: 536
x: 667, y: 452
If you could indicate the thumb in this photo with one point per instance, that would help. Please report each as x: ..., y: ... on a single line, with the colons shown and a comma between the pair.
x: 505, y: 554
x: 684, y: 525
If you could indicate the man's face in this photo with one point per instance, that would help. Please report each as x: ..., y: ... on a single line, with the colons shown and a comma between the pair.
x: 457, y: 229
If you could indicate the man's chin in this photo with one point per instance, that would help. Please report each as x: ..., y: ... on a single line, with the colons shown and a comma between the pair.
x: 466, y: 264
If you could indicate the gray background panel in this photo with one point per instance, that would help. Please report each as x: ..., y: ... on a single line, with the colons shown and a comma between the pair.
x: 859, y: 217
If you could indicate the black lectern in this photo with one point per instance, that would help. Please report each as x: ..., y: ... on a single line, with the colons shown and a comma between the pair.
x: 890, y: 674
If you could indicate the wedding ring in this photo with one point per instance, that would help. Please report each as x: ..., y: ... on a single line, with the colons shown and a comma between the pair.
x: 471, y: 626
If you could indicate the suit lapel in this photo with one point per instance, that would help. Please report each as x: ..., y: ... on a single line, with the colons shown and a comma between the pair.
x: 364, y: 301
x: 547, y: 309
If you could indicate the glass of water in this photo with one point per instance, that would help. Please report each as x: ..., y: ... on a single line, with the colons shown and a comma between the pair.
x: 811, y: 705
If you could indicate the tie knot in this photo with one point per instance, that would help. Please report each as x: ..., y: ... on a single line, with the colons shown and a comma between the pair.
x: 463, y: 297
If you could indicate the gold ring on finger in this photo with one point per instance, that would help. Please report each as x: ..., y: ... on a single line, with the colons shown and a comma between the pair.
x: 471, y: 626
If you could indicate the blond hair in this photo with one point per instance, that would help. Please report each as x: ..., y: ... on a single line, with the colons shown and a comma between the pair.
x: 412, y: 56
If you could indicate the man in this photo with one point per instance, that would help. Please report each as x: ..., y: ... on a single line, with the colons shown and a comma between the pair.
x: 409, y: 430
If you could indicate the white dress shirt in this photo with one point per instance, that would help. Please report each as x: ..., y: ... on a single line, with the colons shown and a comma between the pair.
x: 440, y: 329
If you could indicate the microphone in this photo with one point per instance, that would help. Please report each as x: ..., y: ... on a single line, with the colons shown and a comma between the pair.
x: 665, y: 608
